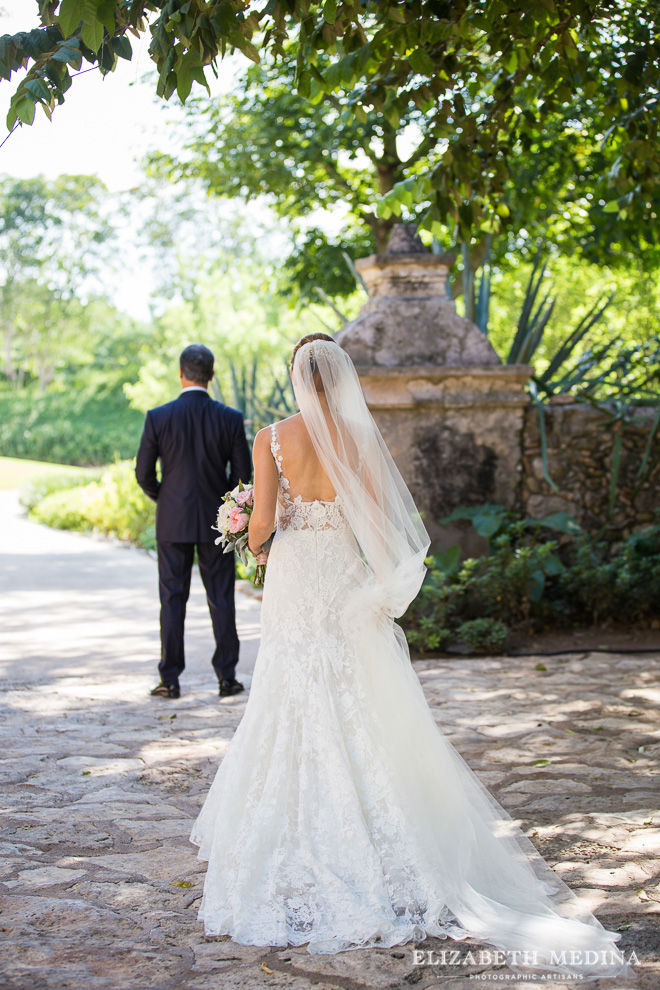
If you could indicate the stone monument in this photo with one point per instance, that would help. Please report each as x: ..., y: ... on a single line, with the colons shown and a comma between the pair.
x: 450, y: 412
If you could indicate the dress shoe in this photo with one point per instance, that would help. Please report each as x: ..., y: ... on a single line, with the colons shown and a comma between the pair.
x: 230, y: 687
x: 165, y: 691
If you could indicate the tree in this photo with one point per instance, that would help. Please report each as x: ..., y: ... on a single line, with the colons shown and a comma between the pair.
x: 486, y: 74
x: 52, y: 236
x: 264, y: 139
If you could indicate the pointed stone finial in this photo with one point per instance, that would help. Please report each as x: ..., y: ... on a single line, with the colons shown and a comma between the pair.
x: 404, y: 239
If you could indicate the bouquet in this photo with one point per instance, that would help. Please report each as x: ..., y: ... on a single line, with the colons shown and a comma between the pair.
x: 232, y: 524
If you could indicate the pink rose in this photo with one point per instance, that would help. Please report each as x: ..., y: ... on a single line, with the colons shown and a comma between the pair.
x: 245, y: 497
x: 238, y: 520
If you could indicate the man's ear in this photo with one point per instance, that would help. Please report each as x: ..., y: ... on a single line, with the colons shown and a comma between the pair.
x: 212, y: 374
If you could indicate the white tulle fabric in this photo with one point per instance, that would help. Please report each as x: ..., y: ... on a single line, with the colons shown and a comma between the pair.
x: 341, y: 816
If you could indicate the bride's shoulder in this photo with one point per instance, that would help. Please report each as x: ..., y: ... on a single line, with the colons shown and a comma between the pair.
x: 264, y: 436
x: 283, y: 425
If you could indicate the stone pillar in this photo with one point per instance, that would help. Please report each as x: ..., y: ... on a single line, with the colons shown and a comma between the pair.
x: 450, y: 412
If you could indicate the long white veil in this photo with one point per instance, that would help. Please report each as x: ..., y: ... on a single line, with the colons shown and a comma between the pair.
x: 374, y: 496
x: 496, y: 886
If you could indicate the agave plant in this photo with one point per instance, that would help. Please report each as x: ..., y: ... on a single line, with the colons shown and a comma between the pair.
x: 247, y: 391
x: 614, y: 379
x: 534, y: 317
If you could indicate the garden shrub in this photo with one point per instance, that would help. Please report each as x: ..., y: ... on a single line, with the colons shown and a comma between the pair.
x: 38, y: 487
x: 115, y: 505
x: 65, y: 509
x: 483, y: 635
x: 620, y: 583
x: 529, y: 583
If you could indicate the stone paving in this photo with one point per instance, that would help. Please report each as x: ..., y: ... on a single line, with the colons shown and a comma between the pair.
x: 99, y: 886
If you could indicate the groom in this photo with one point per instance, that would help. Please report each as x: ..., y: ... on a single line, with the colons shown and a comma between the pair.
x: 195, y: 439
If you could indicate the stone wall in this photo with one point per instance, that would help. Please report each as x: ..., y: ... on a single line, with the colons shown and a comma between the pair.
x: 580, y: 441
x: 455, y: 434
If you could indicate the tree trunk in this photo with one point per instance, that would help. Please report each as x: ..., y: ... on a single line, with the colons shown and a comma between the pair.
x: 9, y: 362
x: 387, y: 169
x: 382, y: 233
x: 8, y: 332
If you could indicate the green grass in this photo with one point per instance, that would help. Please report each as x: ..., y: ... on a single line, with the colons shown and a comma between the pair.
x: 15, y: 471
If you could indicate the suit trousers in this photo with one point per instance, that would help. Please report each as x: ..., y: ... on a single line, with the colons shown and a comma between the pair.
x: 175, y: 562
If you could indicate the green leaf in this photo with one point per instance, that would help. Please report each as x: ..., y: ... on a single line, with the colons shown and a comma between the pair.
x: 105, y: 13
x: 68, y: 51
x: 486, y: 525
x: 183, y: 83
x: 396, y: 14
x: 488, y: 511
x: 552, y: 566
x: 25, y: 110
x: 181, y: 883
x: 252, y: 53
x: 122, y: 47
x: 563, y: 522
x: 92, y: 34
x: 541, y: 763
x: 421, y: 61
x: 197, y: 73
x: 536, y: 584
x: 612, y: 206
x: 447, y: 561
x: 70, y: 15
x: 330, y: 11
x: 38, y: 88
x: 393, y: 117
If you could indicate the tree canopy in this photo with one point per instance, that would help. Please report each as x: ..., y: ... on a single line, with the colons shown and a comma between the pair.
x: 310, y: 159
x: 54, y: 238
x: 489, y: 76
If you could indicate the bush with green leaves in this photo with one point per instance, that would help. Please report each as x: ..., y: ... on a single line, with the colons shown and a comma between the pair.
x: 113, y: 505
x: 40, y: 486
x: 530, y: 583
x: 616, y: 584
x: 483, y: 635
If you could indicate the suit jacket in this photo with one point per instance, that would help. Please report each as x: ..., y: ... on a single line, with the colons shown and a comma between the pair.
x: 203, y: 452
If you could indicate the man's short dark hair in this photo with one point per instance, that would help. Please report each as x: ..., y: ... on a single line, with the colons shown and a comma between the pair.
x: 196, y: 363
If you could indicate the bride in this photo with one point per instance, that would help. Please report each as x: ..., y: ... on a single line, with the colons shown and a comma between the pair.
x: 340, y: 815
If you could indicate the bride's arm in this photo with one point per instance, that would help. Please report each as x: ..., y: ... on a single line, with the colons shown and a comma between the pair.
x: 262, y: 520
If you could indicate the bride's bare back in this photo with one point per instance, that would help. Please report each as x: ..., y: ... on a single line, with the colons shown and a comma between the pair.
x: 300, y: 465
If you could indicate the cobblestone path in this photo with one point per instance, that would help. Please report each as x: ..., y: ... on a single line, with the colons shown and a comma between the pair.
x: 99, y: 886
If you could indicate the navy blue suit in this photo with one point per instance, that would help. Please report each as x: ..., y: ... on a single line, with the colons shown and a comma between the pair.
x: 203, y: 453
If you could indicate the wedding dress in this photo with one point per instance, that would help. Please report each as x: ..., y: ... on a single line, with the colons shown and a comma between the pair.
x: 341, y: 816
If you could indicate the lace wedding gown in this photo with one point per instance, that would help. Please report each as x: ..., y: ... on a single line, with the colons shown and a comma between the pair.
x: 340, y: 815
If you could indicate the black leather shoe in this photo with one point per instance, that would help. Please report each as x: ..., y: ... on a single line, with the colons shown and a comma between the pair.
x: 230, y: 687
x: 166, y: 691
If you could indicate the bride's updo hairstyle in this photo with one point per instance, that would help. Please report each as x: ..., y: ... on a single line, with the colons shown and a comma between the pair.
x: 307, y: 339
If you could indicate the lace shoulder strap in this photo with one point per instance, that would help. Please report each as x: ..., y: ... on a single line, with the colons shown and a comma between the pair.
x: 277, y: 457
